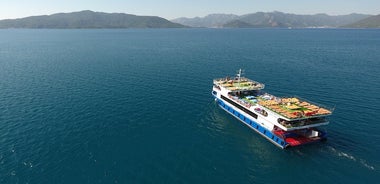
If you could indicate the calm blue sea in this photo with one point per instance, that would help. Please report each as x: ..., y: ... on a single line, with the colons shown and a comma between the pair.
x: 135, y: 105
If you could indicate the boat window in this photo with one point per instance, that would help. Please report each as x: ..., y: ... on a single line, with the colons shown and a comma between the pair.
x: 240, y: 107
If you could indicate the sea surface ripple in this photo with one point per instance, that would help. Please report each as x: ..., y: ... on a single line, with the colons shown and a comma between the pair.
x: 135, y: 105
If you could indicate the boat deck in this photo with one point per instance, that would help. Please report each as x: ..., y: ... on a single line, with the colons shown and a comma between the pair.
x: 291, y: 108
x: 294, y: 139
x: 294, y: 108
x: 240, y: 84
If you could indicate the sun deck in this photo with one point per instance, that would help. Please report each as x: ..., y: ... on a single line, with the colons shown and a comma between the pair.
x: 294, y: 108
x: 290, y: 108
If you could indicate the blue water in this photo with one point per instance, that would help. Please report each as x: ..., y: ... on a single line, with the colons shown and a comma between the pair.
x: 135, y: 106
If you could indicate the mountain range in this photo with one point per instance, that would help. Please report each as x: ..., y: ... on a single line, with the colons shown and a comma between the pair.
x: 89, y: 19
x: 271, y: 19
x: 370, y: 22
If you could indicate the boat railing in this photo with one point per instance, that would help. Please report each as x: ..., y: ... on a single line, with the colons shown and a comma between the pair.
x: 240, y: 101
x: 235, y: 80
x: 303, y: 122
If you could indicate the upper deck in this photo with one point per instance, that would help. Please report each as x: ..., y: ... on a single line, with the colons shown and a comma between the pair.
x: 290, y: 108
x: 238, y: 84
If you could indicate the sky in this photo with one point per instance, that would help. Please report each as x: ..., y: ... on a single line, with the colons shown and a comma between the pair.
x: 171, y: 9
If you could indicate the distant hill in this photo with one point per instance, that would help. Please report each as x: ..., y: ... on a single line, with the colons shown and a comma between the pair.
x: 212, y: 20
x: 271, y: 19
x: 89, y: 19
x: 238, y: 23
x: 370, y: 22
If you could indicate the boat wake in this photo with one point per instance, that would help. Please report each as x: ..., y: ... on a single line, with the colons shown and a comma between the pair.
x: 351, y: 157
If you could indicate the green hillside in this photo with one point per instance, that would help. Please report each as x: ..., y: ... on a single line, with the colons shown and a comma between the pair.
x: 370, y: 22
x: 89, y: 19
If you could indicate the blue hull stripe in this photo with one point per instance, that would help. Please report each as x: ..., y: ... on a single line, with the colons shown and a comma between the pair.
x: 254, y: 125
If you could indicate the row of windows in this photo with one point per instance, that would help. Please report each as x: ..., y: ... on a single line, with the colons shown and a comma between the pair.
x: 240, y: 107
x: 254, y: 125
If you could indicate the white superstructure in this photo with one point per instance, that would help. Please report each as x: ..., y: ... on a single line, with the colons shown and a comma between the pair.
x: 285, y: 121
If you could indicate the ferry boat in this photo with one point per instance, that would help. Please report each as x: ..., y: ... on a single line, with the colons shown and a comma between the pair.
x: 284, y: 121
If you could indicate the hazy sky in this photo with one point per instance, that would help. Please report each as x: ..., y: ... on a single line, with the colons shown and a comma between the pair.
x: 186, y: 8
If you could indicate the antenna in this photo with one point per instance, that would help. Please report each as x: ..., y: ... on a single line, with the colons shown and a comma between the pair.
x: 239, y: 74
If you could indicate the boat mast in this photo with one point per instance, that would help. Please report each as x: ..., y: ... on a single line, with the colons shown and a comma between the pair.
x: 240, y: 72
